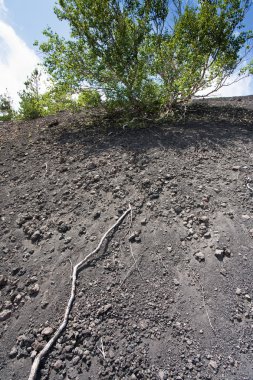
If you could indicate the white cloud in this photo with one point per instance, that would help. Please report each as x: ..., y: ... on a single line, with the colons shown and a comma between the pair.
x: 242, y: 87
x: 17, y: 60
x: 3, y: 8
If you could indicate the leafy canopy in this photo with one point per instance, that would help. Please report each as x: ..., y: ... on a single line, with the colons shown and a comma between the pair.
x: 148, y: 52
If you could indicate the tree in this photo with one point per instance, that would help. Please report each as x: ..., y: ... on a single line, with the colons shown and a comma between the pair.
x: 30, y: 105
x: 144, y: 52
x: 6, y: 109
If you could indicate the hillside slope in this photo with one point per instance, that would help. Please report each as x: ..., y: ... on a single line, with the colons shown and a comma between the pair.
x: 170, y: 294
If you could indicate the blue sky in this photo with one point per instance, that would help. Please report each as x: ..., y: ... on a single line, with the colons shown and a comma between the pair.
x: 22, y: 22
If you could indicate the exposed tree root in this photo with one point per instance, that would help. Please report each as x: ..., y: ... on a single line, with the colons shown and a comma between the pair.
x: 61, y: 328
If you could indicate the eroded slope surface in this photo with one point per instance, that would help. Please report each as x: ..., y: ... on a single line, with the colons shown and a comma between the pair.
x: 170, y: 295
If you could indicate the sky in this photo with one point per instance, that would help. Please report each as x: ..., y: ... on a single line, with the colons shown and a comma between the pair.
x: 22, y: 22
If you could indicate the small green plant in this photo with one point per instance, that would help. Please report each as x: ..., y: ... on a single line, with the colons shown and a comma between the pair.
x: 6, y: 109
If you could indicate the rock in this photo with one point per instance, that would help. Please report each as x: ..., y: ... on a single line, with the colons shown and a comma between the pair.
x: 238, y: 317
x: 236, y: 168
x: 199, y: 256
x: 36, y: 236
x: 63, y: 227
x: 104, y: 309
x: 47, y: 331
x: 238, y: 291
x: 34, y: 290
x: 96, y: 214
x: 58, y: 365
x: 3, y: 281
x: 176, y: 282
x: 213, y: 364
x: 247, y: 297
x: 245, y: 217
x: 4, y: 315
x: 154, y: 196
x: 91, y: 166
x: 13, y: 353
x: 178, y: 209
x: 75, y: 360
x: 204, y: 219
x: 219, y: 253
x: 144, y: 221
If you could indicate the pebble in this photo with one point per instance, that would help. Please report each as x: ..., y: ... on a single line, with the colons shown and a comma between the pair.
x: 238, y: 291
x: 36, y: 236
x: 3, y: 281
x: 34, y: 290
x: 5, y: 314
x: 47, y: 331
x: 58, y: 364
x: 199, y: 256
x: 219, y: 254
x: 213, y: 364
x: 13, y: 352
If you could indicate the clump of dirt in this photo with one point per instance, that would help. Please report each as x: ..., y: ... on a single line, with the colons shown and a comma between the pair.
x: 169, y: 296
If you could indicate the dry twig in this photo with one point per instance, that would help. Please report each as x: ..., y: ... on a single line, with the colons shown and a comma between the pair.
x: 76, y: 269
x: 102, y: 349
x: 204, y: 303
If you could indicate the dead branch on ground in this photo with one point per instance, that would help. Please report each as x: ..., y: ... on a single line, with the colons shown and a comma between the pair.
x: 61, y: 328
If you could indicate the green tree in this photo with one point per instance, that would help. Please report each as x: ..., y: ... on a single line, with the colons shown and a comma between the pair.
x: 144, y: 52
x: 88, y: 98
x: 55, y: 99
x: 30, y: 98
x: 6, y: 108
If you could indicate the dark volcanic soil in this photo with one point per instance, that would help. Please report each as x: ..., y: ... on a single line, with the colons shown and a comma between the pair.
x: 170, y: 295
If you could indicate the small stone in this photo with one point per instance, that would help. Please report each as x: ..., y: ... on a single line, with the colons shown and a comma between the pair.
x: 47, y: 331
x: 176, y: 282
x: 63, y: 227
x: 247, y: 297
x: 154, y: 196
x: 13, y: 352
x: 34, y: 290
x: 219, y: 254
x: 75, y: 360
x: 104, y: 309
x: 199, y: 256
x: 3, y: 281
x: 36, y: 236
x: 5, y: 314
x: 144, y: 221
x: 245, y: 217
x: 204, y: 219
x: 213, y: 364
x: 178, y: 209
x: 236, y: 168
x: 238, y: 291
x: 238, y: 317
x: 97, y: 215
x: 58, y: 365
